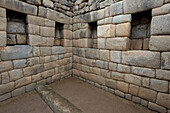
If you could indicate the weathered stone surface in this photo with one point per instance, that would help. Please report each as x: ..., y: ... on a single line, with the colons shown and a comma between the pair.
x: 35, y: 40
x: 47, y: 31
x: 119, y: 93
x: 33, y: 70
x: 112, y: 66
x: 122, y: 19
x: 106, y: 31
x: 134, y: 6
x: 159, y: 43
x: 159, y: 85
x: 67, y: 34
x: 133, y: 79
x: 30, y: 87
x: 58, y: 50
x: 149, y: 95
x: 141, y: 58
x: 33, y: 29
x: 16, y: 52
x: 101, y: 43
x: 24, y: 7
x: 35, y: 20
x: 37, y: 2
x: 118, y: 43
x: 5, y: 96
x: 122, y: 86
x: 15, y: 74
x: 165, y: 60
x: 162, y: 27
x: 3, y: 38
x: 45, y: 51
x: 143, y: 71
x: 133, y: 89
x: 116, y: 8
x: 165, y: 9
x: 2, y: 12
x: 18, y: 91
x: 23, y: 81
x: 48, y: 3
x: 3, y: 23
x: 21, y: 39
x: 123, y: 68
x: 136, y: 99
x: 163, y: 74
x: 163, y: 99
x: 111, y: 83
x: 156, y: 107
x: 136, y: 44
x: 36, y: 51
x: 5, y: 88
x: 16, y: 27
x: 42, y: 11
x: 123, y: 30
x: 146, y: 82
x: 115, y: 56
x: 92, y: 53
x: 117, y: 76
x: 104, y: 55
x: 5, y: 66
x: 5, y: 78
x: 100, y: 14
x: 144, y: 103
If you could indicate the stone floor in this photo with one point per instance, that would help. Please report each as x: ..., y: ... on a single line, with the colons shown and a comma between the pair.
x: 26, y: 103
x: 94, y: 100
x: 83, y: 95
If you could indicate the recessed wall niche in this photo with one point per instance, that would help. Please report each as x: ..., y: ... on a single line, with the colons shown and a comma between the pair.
x: 59, y: 39
x: 140, y: 34
x: 16, y: 28
x: 93, y: 34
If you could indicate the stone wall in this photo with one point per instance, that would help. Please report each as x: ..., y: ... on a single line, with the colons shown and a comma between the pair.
x: 124, y: 63
x: 28, y: 52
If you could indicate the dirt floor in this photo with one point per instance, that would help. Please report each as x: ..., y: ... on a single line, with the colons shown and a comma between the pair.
x: 26, y: 103
x: 94, y: 100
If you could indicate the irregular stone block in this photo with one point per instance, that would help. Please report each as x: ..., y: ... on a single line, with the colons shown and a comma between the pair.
x: 3, y: 39
x: 18, y: 91
x: 122, y: 86
x: 100, y: 14
x: 2, y: 12
x: 92, y: 53
x: 118, y: 43
x: 122, y: 19
x: 123, y: 30
x: 42, y: 11
x: 20, y: 63
x: 160, y: 25
x: 106, y: 31
x: 134, y: 6
x: 165, y: 9
x: 116, y: 8
x: 19, y: 6
x: 133, y: 89
x: 23, y: 81
x: 35, y: 20
x: 33, y: 29
x: 143, y: 71
x: 5, y: 96
x: 123, y: 68
x: 165, y: 60
x: 164, y: 100
x: 115, y: 56
x: 58, y: 50
x: 133, y: 79
x: 33, y: 70
x: 147, y: 94
x: 163, y: 74
x: 34, y: 2
x: 5, y: 78
x: 15, y: 74
x: 3, y: 23
x: 112, y: 66
x: 16, y: 27
x: 21, y: 39
x: 117, y: 76
x: 141, y: 58
x: 16, y: 52
x: 5, y: 66
x: 5, y: 88
x: 156, y: 107
x: 159, y: 85
x: 67, y: 34
x: 159, y: 43
x: 45, y: 51
x: 47, y: 31
x: 104, y: 55
x: 101, y: 43
x: 136, y: 44
x: 111, y: 83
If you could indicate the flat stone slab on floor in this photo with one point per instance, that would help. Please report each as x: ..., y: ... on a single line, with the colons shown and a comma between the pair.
x: 29, y: 102
x: 94, y: 100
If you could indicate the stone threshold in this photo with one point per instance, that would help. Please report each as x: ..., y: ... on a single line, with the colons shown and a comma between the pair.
x: 56, y: 102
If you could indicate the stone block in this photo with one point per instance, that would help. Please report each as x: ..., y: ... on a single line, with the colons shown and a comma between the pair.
x: 111, y: 83
x: 5, y: 96
x: 136, y: 99
x: 48, y: 3
x: 36, y: 51
x: 15, y: 74
x: 163, y: 99
x: 159, y: 85
x: 16, y: 52
x: 2, y: 12
x: 143, y: 71
x: 159, y: 43
x: 105, y: 73
x: 146, y: 82
x: 112, y: 66
x: 47, y: 31
x: 5, y: 78
x: 107, y: 11
x: 11, y: 39
x: 35, y: 20
x: 156, y: 107
x: 122, y: 86
x: 21, y: 39
x: 16, y: 27
x: 117, y: 76
x: 33, y: 29
x: 146, y: 43
x: 23, y: 81
x: 118, y: 43
x: 106, y: 31
x: 5, y: 88
x: 115, y: 56
x: 162, y: 27
x: 144, y: 102
x: 18, y: 91
x: 123, y: 68
x: 116, y: 8
x: 163, y: 74
x: 19, y: 6
x: 100, y: 14
x: 30, y: 87
x: 104, y: 55
x: 67, y: 34
x: 100, y: 80
x: 3, y: 23
x: 119, y: 93
x: 42, y: 11
x: 141, y: 58
x: 58, y: 50
x: 123, y: 30
x: 133, y: 79
x: 92, y: 53
x: 128, y: 96
x: 35, y: 40
x: 136, y: 44
x: 149, y: 95
x: 101, y: 42
x: 34, y: 2
x: 36, y: 77
x: 48, y: 73
x: 45, y: 51
x: 3, y: 39
x: 134, y: 6
x: 19, y: 63
x: 33, y: 70
x: 133, y: 89
x: 165, y: 60
x: 122, y: 19
x: 49, y: 65
x: 5, y: 66
x: 161, y: 10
